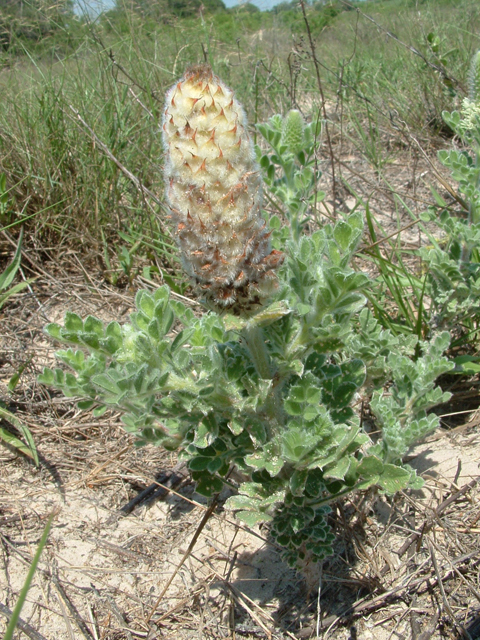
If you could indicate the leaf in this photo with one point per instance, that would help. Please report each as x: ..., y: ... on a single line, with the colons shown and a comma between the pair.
x: 370, y: 466
x: 206, y: 432
x: 6, y: 278
x: 438, y: 198
x: 13, y: 290
x: 199, y: 463
x: 293, y: 408
x: 240, y: 502
x: 469, y: 365
x: 73, y: 322
x: 235, y: 427
x: 303, y: 309
x: 94, y: 325
x: 343, y: 235
x: 85, y: 405
x: 252, y: 518
x: 181, y: 338
x: 217, y: 465
x: 54, y: 330
x: 266, y: 459
x: 394, y: 478
x: 28, y: 449
x: 14, y: 380
x: 271, y: 313
x: 209, y: 485
x: 145, y: 303
x: 104, y: 381
x: 274, y: 222
x: 339, y: 470
x: 47, y: 377
x: 297, y: 481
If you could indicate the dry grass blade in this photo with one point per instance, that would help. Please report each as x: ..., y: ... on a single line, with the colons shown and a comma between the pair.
x: 203, y: 522
x: 417, y: 535
x: 66, y: 602
x: 27, y: 629
x: 446, y: 603
x: 138, y: 184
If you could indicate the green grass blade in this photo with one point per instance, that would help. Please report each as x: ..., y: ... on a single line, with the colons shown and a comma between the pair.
x: 15, y: 379
x: 15, y: 289
x: 6, y: 278
x: 28, y: 581
x: 28, y: 449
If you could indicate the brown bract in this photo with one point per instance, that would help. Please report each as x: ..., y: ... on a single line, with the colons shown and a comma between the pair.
x: 214, y: 190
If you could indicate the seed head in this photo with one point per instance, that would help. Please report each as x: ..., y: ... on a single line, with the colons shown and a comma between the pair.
x: 214, y: 191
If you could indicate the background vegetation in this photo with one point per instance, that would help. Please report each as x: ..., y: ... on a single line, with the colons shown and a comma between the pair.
x: 68, y: 84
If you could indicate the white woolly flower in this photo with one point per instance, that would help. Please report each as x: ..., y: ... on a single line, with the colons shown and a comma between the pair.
x: 214, y: 191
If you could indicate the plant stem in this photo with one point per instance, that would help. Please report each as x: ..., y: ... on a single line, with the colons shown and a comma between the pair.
x: 255, y: 342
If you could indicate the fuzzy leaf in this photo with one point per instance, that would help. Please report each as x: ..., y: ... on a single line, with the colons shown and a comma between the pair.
x: 394, y: 478
x: 252, y: 518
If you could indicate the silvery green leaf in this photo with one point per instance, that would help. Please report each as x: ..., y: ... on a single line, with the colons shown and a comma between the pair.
x: 241, y: 502
x: 104, y: 381
x: 338, y: 470
x: 208, y: 485
x: 73, y: 322
x: 54, y: 330
x: 94, y: 325
x: 394, y: 478
x: 297, y: 481
x: 370, y: 466
x: 236, y: 427
x: 252, y: 518
x: 145, y: 303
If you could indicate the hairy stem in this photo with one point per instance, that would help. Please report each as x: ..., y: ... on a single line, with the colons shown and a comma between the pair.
x: 255, y: 342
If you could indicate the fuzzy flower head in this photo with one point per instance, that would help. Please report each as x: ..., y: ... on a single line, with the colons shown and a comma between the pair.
x: 474, y: 78
x: 470, y: 116
x: 214, y: 192
x: 293, y: 132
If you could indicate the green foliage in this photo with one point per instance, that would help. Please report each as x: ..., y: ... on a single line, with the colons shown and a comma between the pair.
x: 247, y: 7
x: 27, y: 445
x: 320, y: 14
x: 374, y: 344
x: 163, y: 8
x: 274, y: 394
x: 290, y: 169
x: 34, y: 23
x: 453, y: 279
x: 76, y: 185
x: 411, y: 395
x: 271, y: 394
x: 8, y: 275
x: 7, y: 290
